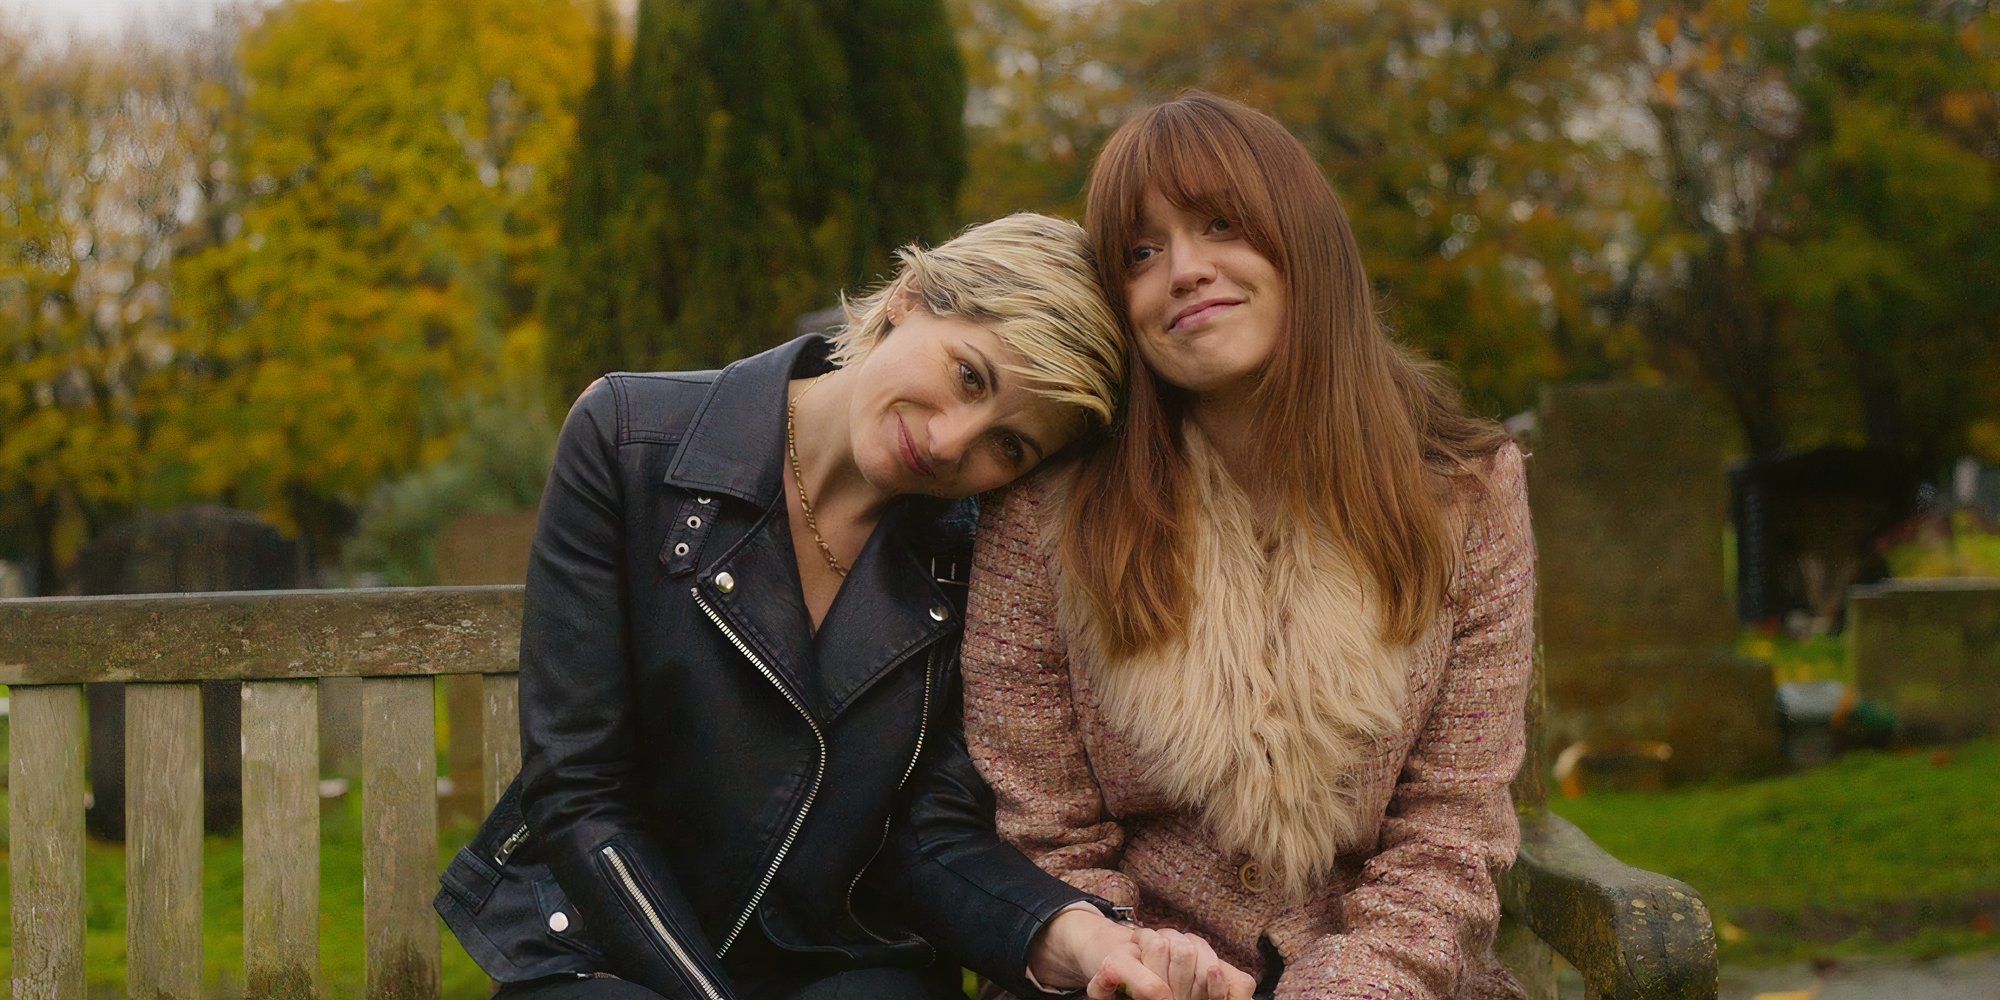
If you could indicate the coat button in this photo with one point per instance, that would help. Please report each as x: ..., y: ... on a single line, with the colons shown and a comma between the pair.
x: 559, y: 921
x: 1252, y: 875
x: 939, y: 614
x: 724, y: 582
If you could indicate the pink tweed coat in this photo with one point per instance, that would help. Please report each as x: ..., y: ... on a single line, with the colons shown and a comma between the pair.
x: 1407, y: 907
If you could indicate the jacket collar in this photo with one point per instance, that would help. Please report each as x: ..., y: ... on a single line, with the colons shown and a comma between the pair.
x: 735, y: 444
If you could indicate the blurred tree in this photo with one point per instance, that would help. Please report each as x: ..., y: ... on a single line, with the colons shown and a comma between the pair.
x: 1832, y: 183
x: 380, y: 271
x: 106, y: 158
x: 1040, y: 101
x: 750, y: 159
x: 1483, y: 218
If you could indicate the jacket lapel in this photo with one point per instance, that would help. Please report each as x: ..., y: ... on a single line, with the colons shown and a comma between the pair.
x: 887, y: 608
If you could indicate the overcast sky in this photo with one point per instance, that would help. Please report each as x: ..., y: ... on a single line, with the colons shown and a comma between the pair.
x: 102, y: 20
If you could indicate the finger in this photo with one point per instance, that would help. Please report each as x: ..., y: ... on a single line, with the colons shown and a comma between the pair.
x: 1208, y: 981
x: 1181, y: 962
x: 1138, y: 981
x: 1154, y: 952
x: 1242, y: 986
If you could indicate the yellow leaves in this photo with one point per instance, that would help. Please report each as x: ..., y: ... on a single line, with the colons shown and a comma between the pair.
x: 1667, y: 87
x: 1962, y: 107
x: 1666, y: 29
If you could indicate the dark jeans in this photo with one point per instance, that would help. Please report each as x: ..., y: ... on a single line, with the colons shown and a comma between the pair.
x: 857, y: 984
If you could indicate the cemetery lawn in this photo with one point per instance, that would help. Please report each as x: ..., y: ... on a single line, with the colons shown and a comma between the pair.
x: 1889, y: 854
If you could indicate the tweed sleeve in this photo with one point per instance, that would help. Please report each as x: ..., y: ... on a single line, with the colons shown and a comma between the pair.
x: 1426, y: 905
x: 1020, y: 721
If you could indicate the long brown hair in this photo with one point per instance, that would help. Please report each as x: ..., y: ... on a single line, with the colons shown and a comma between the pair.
x: 1365, y: 437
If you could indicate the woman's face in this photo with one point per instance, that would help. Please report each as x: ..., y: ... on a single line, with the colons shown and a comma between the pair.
x: 1208, y: 309
x: 934, y: 411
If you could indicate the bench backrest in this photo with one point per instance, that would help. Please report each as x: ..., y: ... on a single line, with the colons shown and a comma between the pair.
x: 279, y: 644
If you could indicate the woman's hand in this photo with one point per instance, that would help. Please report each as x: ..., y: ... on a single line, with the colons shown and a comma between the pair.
x: 1083, y: 948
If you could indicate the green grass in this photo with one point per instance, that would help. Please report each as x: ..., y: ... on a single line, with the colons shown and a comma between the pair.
x: 1875, y: 854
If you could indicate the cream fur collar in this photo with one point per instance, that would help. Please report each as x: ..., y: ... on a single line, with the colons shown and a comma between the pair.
x: 1260, y: 718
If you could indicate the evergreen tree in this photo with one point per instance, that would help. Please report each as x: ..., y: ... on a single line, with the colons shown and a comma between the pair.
x: 751, y: 159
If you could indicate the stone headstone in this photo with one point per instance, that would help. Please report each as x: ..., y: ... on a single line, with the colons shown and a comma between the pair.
x: 13, y: 582
x: 1930, y: 651
x: 475, y: 549
x: 190, y: 549
x: 1628, y: 495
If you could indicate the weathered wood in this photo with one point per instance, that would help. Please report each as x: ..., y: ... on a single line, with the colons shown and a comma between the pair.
x: 274, y: 635
x: 281, y: 839
x: 400, y: 841
x: 503, y: 733
x: 1630, y: 933
x: 45, y: 782
x: 163, y: 840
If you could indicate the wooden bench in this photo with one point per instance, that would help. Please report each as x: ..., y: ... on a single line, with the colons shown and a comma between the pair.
x: 1630, y: 933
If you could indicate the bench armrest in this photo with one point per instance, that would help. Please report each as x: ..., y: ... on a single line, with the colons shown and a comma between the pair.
x: 1630, y: 933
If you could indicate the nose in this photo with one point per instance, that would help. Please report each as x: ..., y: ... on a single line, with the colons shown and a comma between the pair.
x: 953, y: 432
x: 1189, y: 266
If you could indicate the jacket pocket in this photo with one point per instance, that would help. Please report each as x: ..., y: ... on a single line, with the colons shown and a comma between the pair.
x: 628, y: 886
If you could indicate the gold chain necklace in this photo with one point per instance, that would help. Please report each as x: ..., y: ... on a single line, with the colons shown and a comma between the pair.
x: 799, y: 478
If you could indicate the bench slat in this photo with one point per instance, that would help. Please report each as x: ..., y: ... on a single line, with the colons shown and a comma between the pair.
x: 281, y: 838
x: 400, y: 839
x: 502, y: 732
x: 45, y: 780
x: 163, y: 804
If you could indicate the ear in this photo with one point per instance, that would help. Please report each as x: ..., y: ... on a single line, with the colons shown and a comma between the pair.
x: 903, y: 300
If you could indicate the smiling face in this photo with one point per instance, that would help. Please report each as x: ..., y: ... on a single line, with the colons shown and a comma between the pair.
x: 1207, y: 308
x: 936, y: 410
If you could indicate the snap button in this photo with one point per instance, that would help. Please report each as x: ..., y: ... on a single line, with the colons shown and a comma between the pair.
x: 1252, y: 875
x: 693, y: 521
x: 939, y: 614
x: 680, y: 548
x: 704, y: 499
x: 559, y: 921
x: 724, y: 582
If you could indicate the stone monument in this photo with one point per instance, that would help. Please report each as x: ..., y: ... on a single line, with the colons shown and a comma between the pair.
x: 1627, y: 487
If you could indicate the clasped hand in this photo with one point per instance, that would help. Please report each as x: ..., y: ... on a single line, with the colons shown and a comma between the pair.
x: 1109, y: 959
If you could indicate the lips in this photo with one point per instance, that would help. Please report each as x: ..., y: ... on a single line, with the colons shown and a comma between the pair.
x: 908, y: 448
x: 1201, y: 312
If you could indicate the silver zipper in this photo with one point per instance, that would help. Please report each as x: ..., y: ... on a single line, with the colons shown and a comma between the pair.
x: 819, y: 771
x: 659, y: 926
x: 510, y: 845
x: 923, y: 725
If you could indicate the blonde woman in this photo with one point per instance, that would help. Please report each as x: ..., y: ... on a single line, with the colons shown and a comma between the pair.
x: 738, y: 658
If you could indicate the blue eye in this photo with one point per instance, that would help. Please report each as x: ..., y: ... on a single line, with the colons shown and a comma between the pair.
x: 1140, y: 255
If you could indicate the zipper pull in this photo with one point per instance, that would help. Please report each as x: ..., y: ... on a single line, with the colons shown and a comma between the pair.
x: 510, y: 845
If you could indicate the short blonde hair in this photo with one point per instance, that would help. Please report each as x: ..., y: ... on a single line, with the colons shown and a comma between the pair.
x: 1031, y: 280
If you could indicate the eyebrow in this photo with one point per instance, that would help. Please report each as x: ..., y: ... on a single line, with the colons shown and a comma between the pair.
x: 993, y: 380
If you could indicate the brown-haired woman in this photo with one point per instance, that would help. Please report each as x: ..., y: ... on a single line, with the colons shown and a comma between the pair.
x: 1257, y: 669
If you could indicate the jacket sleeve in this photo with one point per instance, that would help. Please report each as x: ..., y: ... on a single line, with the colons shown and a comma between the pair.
x: 1426, y: 905
x: 577, y: 734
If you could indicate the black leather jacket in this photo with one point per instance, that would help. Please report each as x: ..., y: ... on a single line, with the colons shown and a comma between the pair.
x: 697, y: 764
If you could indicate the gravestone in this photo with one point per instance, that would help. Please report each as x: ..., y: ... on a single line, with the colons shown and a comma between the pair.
x: 13, y: 582
x: 1930, y: 651
x: 191, y: 549
x: 1627, y: 487
x: 475, y: 549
